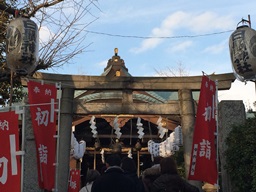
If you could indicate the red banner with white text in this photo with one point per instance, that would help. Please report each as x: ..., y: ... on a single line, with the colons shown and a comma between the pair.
x: 74, y: 180
x: 42, y: 100
x: 203, y: 165
x: 10, y: 173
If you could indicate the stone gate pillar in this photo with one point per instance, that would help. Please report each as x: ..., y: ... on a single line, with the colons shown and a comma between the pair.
x: 66, y: 117
x: 187, y: 111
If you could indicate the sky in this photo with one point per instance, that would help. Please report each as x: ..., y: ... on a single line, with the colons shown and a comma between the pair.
x: 192, y: 35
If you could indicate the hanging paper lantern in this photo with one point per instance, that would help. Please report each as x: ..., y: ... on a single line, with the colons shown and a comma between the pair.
x: 22, y: 46
x: 242, y: 46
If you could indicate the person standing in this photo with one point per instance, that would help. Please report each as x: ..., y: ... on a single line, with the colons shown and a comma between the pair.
x: 129, y: 167
x: 91, y: 176
x: 150, y: 174
x: 113, y: 179
x: 169, y: 180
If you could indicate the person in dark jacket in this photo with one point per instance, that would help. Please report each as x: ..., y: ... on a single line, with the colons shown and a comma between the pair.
x: 91, y: 176
x: 129, y: 167
x: 113, y: 179
x: 169, y: 180
x: 150, y: 174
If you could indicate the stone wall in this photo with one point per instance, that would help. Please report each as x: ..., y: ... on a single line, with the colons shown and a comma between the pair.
x: 229, y: 113
x: 30, y: 164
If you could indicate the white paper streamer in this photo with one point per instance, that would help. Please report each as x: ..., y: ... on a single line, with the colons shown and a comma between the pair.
x: 161, y: 130
x: 102, y: 156
x: 77, y: 149
x: 168, y: 147
x: 93, y: 127
x: 116, y: 128
x: 140, y: 128
x: 178, y: 136
x: 153, y: 148
x: 129, y: 153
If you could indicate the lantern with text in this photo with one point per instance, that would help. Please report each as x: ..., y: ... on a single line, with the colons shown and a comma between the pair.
x: 242, y: 46
x: 22, y: 43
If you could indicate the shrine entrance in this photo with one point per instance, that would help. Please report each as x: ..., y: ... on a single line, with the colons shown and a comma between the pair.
x: 118, y: 94
x: 129, y: 143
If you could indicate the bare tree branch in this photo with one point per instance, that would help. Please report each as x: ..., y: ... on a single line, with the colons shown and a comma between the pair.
x: 63, y: 23
x: 67, y: 40
x: 178, y: 71
x: 45, y: 4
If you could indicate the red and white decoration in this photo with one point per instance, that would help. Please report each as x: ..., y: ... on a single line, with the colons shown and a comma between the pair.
x: 203, y: 166
x: 74, y: 180
x: 42, y: 100
x: 10, y: 172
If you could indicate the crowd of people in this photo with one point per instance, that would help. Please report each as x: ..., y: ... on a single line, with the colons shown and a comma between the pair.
x: 120, y: 175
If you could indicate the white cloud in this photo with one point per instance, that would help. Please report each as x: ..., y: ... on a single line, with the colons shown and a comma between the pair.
x: 181, y: 22
x: 217, y: 48
x: 240, y: 91
x: 102, y: 63
x: 167, y: 27
x: 45, y: 34
x: 209, y: 21
x: 146, y: 45
x: 180, y: 46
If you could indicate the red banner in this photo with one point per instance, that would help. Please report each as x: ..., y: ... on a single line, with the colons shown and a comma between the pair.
x: 203, y: 165
x: 74, y: 180
x: 9, y: 160
x: 42, y: 100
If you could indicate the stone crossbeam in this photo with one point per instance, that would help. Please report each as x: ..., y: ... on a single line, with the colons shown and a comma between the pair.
x: 84, y: 82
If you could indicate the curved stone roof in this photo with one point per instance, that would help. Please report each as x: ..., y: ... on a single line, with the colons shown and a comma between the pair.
x: 116, y: 67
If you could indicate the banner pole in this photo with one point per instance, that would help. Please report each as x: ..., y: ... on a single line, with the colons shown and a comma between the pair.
x: 22, y: 146
x: 58, y: 85
x: 217, y: 134
x: 22, y: 151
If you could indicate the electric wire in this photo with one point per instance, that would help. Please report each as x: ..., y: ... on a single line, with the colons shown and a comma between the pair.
x: 158, y: 37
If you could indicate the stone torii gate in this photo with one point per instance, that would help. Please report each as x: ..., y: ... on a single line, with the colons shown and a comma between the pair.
x: 184, y: 106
